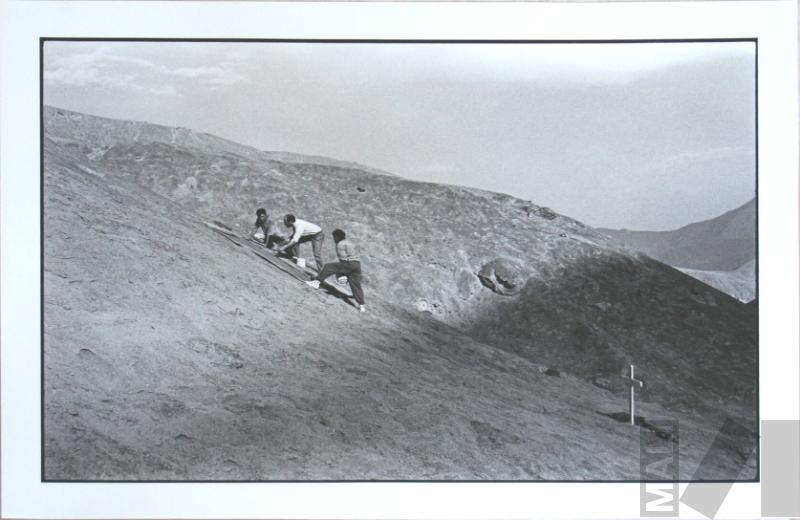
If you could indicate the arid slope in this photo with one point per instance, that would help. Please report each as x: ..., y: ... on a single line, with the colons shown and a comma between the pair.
x: 170, y: 353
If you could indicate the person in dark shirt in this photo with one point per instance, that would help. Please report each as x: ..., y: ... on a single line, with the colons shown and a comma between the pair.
x: 267, y: 227
x: 349, y: 265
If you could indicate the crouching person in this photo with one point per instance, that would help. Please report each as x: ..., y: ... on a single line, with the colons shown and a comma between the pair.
x: 349, y: 265
x: 264, y: 225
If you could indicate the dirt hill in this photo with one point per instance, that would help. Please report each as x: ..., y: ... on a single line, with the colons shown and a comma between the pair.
x: 170, y: 353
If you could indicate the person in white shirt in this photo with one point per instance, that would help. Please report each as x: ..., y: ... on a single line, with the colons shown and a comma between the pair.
x: 304, y: 231
x: 349, y: 265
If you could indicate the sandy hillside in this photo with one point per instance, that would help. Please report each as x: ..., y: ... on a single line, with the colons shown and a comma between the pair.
x: 170, y: 353
x: 740, y: 283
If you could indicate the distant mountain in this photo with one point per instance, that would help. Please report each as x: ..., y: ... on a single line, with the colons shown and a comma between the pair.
x: 724, y: 243
x: 719, y: 252
x: 493, y: 348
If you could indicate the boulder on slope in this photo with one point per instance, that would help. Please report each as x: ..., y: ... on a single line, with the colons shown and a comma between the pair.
x: 503, y: 276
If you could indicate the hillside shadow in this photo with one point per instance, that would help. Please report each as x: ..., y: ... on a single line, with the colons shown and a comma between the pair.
x: 640, y: 421
x: 331, y: 291
x: 696, y: 346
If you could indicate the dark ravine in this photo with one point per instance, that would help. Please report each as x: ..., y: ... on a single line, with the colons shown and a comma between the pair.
x: 171, y: 354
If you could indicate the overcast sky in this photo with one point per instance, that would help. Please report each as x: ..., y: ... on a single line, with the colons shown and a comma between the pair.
x: 640, y: 136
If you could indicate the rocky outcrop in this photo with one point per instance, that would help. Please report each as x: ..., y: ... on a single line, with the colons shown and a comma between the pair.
x: 545, y: 213
x: 503, y: 276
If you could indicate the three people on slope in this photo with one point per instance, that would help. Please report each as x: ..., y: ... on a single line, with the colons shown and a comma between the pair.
x: 348, y: 264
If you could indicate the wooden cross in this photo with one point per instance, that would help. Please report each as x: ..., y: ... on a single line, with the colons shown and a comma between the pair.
x: 632, y: 382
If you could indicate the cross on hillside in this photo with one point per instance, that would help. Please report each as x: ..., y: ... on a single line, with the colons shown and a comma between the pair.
x: 632, y: 382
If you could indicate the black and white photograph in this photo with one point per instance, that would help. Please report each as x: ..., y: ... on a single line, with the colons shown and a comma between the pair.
x: 268, y: 260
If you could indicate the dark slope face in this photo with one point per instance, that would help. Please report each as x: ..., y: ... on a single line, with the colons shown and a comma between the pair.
x: 724, y: 243
x: 588, y: 307
x: 596, y: 315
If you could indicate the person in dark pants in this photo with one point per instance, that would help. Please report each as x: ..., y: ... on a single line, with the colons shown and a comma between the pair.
x: 349, y: 265
x: 303, y: 231
x: 267, y: 227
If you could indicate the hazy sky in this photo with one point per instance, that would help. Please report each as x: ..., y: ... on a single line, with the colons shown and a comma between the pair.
x: 639, y: 136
